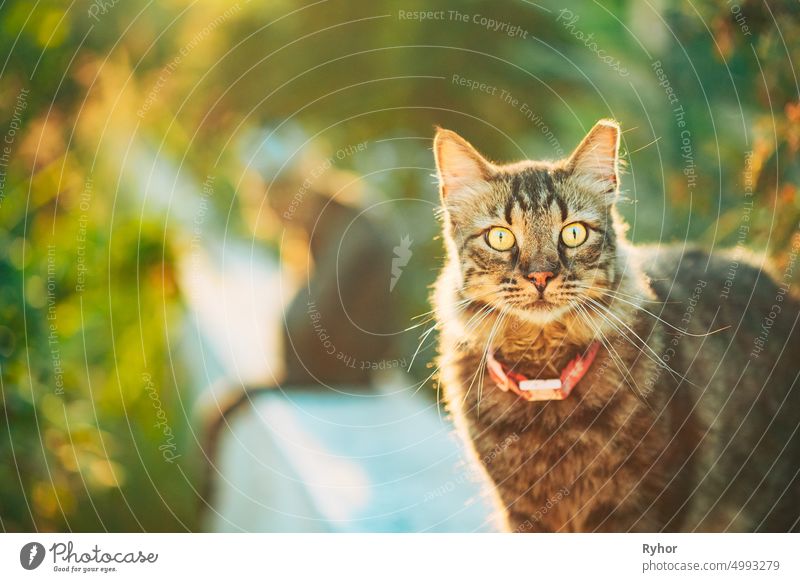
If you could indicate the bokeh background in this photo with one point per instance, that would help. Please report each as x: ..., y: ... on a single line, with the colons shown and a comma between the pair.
x: 187, y: 188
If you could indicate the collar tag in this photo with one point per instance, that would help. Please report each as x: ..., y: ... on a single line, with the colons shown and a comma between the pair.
x: 542, y: 389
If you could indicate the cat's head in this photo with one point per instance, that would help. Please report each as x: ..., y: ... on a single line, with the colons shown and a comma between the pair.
x: 532, y: 237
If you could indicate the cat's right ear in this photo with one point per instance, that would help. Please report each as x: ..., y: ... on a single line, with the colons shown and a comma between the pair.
x: 595, y: 162
x: 462, y: 171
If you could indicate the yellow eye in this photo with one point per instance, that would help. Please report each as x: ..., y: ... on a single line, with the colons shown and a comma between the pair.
x: 499, y: 238
x: 574, y: 234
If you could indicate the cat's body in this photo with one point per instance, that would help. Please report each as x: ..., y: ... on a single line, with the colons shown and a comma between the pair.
x: 685, y: 420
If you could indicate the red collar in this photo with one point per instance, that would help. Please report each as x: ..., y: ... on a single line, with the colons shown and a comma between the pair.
x: 545, y: 389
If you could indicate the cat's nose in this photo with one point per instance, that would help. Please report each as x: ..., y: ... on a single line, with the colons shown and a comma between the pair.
x: 540, y: 279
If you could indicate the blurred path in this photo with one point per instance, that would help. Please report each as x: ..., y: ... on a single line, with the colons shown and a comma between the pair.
x: 304, y: 460
x: 321, y: 461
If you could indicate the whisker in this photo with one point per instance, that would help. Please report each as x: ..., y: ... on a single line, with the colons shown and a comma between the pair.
x: 617, y: 292
x: 643, y: 147
x: 618, y: 362
x: 460, y: 306
x: 483, y: 357
x: 668, y: 324
x: 596, y: 307
x: 500, y: 320
x: 485, y: 313
x: 422, y: 341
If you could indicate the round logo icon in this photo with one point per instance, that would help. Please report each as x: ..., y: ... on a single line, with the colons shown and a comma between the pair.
x: 31, y: 555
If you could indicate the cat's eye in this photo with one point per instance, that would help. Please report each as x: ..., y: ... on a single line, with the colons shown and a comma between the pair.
x: 574, y: 234
x: 500, y: 238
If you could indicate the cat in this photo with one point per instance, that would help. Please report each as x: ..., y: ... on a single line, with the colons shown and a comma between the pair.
x: 348, y: 251
x: 686, y: 415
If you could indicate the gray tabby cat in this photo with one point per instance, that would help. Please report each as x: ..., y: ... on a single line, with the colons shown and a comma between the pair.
x: 685, y: 405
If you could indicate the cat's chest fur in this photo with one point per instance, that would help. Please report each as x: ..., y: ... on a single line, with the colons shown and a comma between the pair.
x: 538, y: 450
x: 537, y: 352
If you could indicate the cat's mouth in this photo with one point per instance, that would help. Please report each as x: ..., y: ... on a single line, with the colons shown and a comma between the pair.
x: 542, y: 304
x: 541, y: 310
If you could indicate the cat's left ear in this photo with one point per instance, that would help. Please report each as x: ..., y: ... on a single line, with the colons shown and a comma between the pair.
x: 595, y: 162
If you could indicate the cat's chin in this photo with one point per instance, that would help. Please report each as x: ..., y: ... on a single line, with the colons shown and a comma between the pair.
x: 541, y: 313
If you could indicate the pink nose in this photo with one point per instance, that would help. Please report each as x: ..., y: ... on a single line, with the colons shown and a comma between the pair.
x: 540, y: 278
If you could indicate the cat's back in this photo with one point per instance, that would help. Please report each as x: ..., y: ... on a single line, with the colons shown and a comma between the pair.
x: 733, y: 331
x: 733, y: 273
x: 729, y: 288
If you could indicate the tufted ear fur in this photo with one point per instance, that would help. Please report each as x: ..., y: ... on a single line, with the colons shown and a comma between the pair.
x: 462, y: 171
x: 595, y: 162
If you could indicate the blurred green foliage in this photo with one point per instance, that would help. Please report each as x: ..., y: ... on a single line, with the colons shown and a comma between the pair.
x: 87, y: 87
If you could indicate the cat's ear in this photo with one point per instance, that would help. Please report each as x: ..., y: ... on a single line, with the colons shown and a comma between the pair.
x: 595, y: 162
x: 462, y: 170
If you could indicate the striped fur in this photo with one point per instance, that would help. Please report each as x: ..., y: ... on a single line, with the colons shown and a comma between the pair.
x: 647, y: 440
